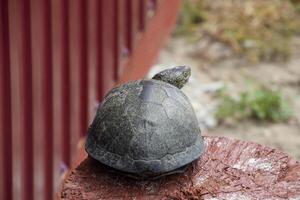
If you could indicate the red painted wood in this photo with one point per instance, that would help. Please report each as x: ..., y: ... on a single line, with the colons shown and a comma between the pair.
x: 128, y: 25
x: 62, y: 58
x: 142, y: 14
x: 117, y: 38
x: 26, y: 105
x: 48, y: 106
x: 131, y: 19
x: 75, y: 53
x: 135, y: 18
x: 66, y: 85
x: 93, y: 59
x: 22, y: 100
x: 61, y: 89
x: 154, y: 4
x: 15, y: 43
x: 5, y: 107
x: 121, y: 41
x: 42, y: 98
x: 132, y: 22
x: 145, y: 52
x: 100, y: 50
x: 78, y: 72
x: 107, y: 47
x: 83, y: 69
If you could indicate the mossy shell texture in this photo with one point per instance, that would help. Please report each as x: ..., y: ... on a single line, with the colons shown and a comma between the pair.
x: 145, y: 126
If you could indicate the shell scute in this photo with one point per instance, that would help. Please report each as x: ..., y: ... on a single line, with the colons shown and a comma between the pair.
x: 146, y: 126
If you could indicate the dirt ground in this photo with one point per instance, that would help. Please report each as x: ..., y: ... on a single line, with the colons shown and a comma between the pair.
x: 234, y: 73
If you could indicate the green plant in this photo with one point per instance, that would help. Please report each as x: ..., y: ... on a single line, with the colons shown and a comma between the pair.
x: 296, y: 4
x: 259, y: 103
x: 258, y: 30
x: 191, y: 15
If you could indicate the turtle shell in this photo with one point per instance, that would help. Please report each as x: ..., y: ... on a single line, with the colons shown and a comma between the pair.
x: 145, y: 127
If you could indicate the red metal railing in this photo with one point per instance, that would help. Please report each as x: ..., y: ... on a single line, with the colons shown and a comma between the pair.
x: 57, y: 60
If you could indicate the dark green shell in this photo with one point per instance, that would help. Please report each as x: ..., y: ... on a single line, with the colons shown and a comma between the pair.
x: 145, y: 126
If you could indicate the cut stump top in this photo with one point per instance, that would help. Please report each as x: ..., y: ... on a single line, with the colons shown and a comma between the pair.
x: 228, y: 169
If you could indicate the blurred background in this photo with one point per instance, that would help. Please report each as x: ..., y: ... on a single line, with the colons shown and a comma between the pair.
x: 59, y: 58
x: 245, y: 63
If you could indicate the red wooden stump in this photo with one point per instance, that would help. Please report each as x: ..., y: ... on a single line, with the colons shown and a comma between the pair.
x: 228, y: 169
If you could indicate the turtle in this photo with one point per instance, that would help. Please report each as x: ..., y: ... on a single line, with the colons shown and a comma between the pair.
x: 147, y: 128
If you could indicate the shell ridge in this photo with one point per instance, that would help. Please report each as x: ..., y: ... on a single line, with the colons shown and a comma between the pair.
x: 145, y: 126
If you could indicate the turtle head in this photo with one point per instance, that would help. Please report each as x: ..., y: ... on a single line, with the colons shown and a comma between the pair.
x: 177, y: 76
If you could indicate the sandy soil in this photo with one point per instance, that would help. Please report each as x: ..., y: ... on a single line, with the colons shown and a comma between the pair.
x: 233, y: 72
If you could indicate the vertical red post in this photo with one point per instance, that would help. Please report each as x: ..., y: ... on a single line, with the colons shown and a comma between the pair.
x: 107, y: 46
x: 79, y: 72
x: 142, y: 14
x: 5, y: 107
x: 57, y: 58
x: 93, y: 58
x: 26, y: 104
x: 66, y: 85
x: 75, y: 56
x: 132, y: 22
x: 99, y: 24
x: 154, y: 4
x: 42, y: 98
x: 83, y: 69
x: 61, y: 89
x: 121, y: 49
x: 48, y: 106
x: 145, y: 52
x: 129, y: 25
x: 116, y: 38
x: 22, y: 104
